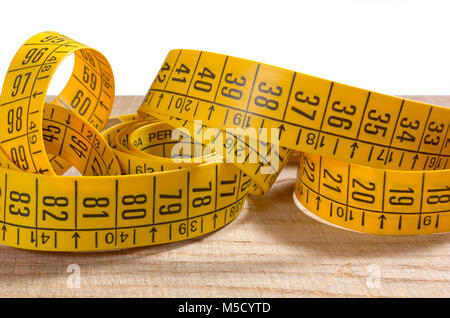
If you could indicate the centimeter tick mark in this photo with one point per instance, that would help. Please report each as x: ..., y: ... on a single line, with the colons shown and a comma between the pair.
x: 289, y: 95
x: 116, y: 209
x: 37, y: 209
x: 421, y: 201
x: 362, y: 117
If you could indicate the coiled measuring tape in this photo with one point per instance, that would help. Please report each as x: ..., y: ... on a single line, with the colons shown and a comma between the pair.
x: 368, y: 162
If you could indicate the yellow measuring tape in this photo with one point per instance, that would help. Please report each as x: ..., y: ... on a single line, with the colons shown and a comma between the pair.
x: 368, y: 162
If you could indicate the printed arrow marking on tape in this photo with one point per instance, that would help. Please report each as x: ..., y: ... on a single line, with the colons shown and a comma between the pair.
x: 368, y: 162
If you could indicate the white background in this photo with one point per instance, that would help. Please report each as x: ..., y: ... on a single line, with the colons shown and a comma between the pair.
x: 395, y: 47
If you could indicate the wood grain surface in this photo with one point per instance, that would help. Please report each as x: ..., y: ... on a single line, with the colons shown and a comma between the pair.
x: 271, y: 249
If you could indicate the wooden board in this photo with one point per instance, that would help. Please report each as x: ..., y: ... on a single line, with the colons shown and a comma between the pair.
x: 271, y: 249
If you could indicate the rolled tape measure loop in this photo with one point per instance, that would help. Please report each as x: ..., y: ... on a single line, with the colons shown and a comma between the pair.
x: 89, y: 93
x: 367, y: 162
x: 391, y: 176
